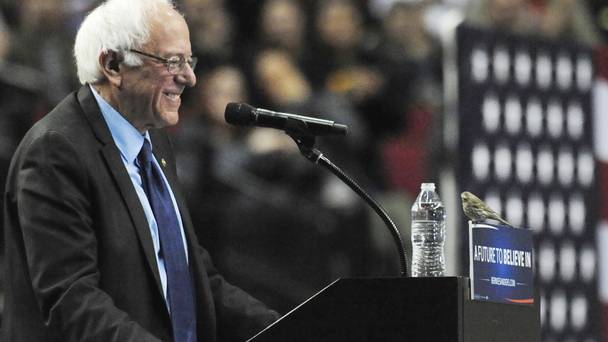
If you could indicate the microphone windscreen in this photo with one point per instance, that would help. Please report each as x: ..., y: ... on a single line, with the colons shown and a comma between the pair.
x: 240, y: 114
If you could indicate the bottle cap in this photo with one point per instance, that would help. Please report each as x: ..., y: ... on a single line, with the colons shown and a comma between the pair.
x: 427, y: 186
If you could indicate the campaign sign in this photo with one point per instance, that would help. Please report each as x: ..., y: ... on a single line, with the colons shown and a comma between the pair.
x: 501, y: 263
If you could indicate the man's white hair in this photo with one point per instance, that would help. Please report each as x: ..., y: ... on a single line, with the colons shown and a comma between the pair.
x: 117, y: 25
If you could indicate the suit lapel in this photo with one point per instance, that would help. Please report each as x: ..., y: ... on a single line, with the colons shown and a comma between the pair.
x: 117, y: 169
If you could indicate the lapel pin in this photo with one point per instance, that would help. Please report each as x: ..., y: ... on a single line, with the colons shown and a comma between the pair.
x: 164, y: 162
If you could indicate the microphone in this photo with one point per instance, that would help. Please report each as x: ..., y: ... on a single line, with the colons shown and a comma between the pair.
x: 242, y: 114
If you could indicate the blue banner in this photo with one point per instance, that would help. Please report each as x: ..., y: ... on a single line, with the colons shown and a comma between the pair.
x: 501, y: 263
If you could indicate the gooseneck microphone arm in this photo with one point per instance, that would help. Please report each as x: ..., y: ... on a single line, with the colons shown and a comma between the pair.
x: 322, y: 160
x: 305, y: 140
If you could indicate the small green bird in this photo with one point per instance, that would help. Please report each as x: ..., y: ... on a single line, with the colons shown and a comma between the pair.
x: 476, y: 210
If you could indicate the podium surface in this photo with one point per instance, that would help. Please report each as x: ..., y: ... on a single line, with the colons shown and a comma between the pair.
x: 404, y: 309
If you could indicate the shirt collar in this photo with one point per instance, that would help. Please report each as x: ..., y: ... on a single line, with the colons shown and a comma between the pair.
x: 126, y: 137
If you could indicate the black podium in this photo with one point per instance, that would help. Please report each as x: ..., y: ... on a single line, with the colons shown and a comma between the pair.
x: 404, y: 309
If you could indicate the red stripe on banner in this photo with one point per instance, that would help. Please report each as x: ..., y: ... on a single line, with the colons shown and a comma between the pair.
x: 605, y: 324
x: 521, y: 301
x: 601, y: 56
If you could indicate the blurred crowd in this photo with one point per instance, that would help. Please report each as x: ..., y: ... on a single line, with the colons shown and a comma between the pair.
x: 274, y: 222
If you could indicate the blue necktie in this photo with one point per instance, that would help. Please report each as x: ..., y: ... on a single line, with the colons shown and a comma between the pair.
x: 180, y: 293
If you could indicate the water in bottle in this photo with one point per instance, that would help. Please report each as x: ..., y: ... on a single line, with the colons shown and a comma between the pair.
x: 428, y: 233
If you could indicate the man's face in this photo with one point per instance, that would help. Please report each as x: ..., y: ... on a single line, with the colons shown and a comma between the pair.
x: 149, y: 95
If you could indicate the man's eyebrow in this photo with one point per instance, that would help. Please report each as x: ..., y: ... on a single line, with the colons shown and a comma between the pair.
x: 176, y: 53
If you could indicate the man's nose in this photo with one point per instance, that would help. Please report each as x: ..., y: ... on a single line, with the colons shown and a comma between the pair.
x: 187, y: 76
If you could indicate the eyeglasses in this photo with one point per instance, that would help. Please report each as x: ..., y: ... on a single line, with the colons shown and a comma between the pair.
x: 175, y: 64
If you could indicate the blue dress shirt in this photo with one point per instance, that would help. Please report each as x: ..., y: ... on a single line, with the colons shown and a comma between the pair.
x: 129, y: 141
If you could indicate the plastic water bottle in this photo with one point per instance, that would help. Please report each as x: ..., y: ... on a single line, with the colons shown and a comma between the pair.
x: 428, y: 233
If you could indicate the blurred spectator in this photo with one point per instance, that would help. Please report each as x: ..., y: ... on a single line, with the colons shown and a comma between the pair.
x: 570, y: 20
x: 279, y: 80
x: 212, y: 35
x: 340, y: 56
x: 42, y: 42
x: 405, y: 29
x: 410, y: 56
x: 515, y: 16
x: 282, y: 26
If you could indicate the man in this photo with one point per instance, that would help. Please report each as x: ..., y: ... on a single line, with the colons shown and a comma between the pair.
x: 99, y: 244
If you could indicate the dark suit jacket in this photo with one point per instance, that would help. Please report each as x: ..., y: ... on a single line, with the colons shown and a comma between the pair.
x: 79, y: 256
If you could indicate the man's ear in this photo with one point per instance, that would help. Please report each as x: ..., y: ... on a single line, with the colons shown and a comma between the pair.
x: 110, y: 66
